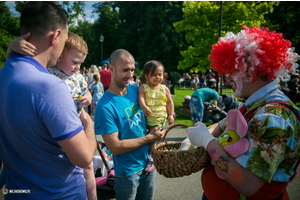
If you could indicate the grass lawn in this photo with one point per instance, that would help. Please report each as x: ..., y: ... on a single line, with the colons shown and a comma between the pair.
x: 179, y: 99
x: 178, y: 102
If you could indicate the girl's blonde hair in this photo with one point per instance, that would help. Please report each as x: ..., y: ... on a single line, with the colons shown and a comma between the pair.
x: 94, y: 69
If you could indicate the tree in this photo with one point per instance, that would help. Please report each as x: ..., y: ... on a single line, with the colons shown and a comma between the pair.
x: 146, y: 30
x: 201, y: 24
x: 285, y: 19
x: 10, y: 24
x: 158, y: 38
x: 9, y: 29
x: 106, y: 25
x: 20, y: 5
x: 128, y: 34
x: 75, y: 12
x: 85, y: 30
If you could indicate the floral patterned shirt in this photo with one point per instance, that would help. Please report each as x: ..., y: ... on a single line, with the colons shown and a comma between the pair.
x: 76, y: 84
x: 274, y: 136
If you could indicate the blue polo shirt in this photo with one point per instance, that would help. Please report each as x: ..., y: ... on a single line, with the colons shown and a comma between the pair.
x: 36, y: 111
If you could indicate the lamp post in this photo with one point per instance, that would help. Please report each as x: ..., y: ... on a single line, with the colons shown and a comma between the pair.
x: 101, y: 40
x: 220, y: 35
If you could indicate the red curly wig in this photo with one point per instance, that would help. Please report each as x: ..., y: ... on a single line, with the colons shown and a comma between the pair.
x: 255, y: 51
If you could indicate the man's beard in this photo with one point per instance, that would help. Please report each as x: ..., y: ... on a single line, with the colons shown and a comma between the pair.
x: 120, y: 84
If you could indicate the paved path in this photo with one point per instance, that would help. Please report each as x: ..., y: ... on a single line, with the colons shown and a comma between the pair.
x: 189, y: 187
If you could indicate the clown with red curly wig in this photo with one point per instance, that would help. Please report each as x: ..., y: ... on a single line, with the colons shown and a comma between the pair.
x: 254, y: 59
x: 255, y: 51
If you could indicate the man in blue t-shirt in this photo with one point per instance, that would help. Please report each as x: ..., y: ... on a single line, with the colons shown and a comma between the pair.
x: 43, y: 143
x: 196, y: 102
x: 121, y: 122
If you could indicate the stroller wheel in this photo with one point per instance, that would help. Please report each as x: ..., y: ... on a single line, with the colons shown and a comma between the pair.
x: 110, y: 182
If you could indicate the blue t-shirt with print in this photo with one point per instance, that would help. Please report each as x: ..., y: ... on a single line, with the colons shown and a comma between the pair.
x: 122, y: 114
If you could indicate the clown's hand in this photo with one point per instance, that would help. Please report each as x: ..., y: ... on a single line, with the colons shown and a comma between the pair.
x: 199, y: 135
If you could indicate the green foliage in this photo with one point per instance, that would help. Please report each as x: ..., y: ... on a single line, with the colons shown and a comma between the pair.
x: 179, y: 34
x: 9, y: 29
x: 201, y: 24
x: 285, y: 19
x: 75, y: 11
x: 85, y: 29
x: 10, y: 24
x: 138, y: 72
x: 128, y: 34
x: 106, y: 25
x: 145, y: 29
x: 158, y: 39
x: 176, y: 75
x: 20, y: 5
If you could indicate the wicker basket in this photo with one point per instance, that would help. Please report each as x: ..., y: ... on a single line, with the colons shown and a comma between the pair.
x: 172, y: 164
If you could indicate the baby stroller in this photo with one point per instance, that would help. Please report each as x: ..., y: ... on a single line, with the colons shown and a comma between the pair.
x: 230, y: 102
x: 214, y: 113
x: 105, y: 182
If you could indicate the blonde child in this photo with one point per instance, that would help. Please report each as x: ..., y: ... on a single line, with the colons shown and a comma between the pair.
x: 93, y: 71
x: 153, y: 99
x: 97, y: 89
x: 67, y: 67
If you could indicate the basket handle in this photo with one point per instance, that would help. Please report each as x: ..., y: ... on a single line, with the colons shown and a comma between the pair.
x: 173, y: 126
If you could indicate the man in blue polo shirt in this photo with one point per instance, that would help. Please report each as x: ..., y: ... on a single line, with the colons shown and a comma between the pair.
x: 42, y: 141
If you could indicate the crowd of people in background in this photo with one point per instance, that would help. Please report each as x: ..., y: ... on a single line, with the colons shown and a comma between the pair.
x: 104, y: 78
x: 209, y: 80
x: 187, y: 81
x: 196, y: 81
